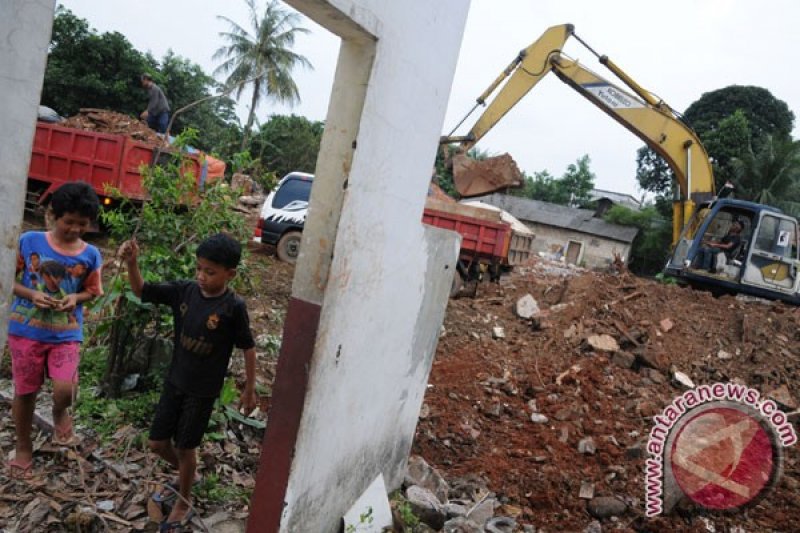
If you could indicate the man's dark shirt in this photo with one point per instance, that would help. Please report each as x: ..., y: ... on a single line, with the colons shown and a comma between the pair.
x: 730, y: 238
x: 206, y: 331
x: 157, y: 103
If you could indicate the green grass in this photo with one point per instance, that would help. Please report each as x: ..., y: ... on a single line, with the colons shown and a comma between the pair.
x: 103, y: 415
x: 212, y: 490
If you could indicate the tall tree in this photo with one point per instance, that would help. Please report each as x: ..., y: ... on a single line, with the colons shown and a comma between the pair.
x: 724, y: 132
x: 262, y: 60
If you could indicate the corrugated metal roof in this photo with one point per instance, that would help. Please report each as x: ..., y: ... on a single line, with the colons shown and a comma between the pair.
x: 560, y: 216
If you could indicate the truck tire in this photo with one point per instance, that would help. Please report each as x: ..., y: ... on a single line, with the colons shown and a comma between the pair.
x: 289, y: 247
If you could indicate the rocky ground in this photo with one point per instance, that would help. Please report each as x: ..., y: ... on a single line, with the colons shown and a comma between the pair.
x: 539, y: 422
x: 552, y: 412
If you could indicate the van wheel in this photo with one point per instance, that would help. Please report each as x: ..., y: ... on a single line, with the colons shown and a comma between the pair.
x: 289, y: 247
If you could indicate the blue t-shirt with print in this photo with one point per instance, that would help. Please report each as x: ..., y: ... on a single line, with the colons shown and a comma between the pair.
x: 43, y: 267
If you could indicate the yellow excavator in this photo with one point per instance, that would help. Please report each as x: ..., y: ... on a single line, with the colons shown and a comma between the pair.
x: 649, y: 118
x: 765, y: 262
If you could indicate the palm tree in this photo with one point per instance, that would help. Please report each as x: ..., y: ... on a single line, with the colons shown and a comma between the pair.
x: 771, y: 174
x: 262, y: 59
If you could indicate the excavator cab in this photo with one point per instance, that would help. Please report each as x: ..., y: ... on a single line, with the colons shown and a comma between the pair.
x: 763, y: 264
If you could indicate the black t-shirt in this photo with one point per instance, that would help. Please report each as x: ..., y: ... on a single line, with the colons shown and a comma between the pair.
x: 206, y: 331
x: 732, y: 239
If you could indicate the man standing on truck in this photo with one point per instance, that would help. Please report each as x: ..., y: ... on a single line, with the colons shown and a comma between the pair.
x: 157, y: 113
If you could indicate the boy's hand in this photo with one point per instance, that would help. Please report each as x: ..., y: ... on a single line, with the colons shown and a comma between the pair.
x: 67, y: 303
x: 129, y: 251
x: 248, y: 400
x: 42, y: 300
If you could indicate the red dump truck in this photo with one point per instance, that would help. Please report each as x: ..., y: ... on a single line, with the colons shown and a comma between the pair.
x: 62, y: 154
x: 488, y: 243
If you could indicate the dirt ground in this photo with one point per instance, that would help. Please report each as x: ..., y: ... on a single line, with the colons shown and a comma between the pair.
x: 476, y: 419
x: 484, y: 390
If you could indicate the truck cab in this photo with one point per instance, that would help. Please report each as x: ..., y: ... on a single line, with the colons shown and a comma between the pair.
x: 763, y: 264
x: 283, y: 215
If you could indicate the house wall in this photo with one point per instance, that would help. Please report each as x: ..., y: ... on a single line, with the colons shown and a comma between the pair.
x: 597, y: 252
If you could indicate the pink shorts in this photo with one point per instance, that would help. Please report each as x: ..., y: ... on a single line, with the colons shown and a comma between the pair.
x: 29, y: 358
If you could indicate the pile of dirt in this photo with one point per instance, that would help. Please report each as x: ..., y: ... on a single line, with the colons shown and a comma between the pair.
x: 105, y: 121
x: 555, y: 410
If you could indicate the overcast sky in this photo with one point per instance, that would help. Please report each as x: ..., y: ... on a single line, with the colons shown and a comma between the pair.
x: 677, y: 49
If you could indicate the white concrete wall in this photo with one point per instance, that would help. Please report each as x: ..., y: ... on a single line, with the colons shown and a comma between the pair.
x: 388, y: 281
x: 24, y: 36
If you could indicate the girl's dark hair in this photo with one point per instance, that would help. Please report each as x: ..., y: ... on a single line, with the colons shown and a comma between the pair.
x: 221, y: 249
x: 75, y: 197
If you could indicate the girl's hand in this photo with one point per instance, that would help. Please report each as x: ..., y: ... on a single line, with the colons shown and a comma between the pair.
x: 42, y: 301
x: 67, y: 303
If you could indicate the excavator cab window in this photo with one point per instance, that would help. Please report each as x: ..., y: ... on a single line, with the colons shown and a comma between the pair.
x: 777, y: 236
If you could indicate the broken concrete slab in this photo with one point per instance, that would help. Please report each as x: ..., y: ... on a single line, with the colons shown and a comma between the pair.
x: 421, y: 474
x: 425, y: 505
x: 527, y: 307
x: 603, y: 343
x: 606, y: 507
x: 682, y: 379
x: 623, y: 359
x: 587, y: 446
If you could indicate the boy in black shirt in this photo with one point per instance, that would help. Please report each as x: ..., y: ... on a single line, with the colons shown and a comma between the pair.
x: 209, y: 321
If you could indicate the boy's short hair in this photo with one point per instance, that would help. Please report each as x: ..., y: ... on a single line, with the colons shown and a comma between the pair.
x: 221, y: 249
x: 147, y: 77
x: 75, y: 197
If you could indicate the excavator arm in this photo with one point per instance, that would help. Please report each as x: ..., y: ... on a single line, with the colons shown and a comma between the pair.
x: 650, y: 119
x: 530, y: 66
x: 655, y: 124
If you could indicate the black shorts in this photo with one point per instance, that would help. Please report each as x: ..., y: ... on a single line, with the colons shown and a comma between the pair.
x: 181, y: 417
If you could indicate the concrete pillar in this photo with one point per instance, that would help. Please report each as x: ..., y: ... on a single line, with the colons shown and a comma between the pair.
x: 25, y: 27
x: 372, y: 282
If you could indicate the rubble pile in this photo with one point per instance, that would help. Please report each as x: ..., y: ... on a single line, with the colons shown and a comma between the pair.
x: 555, y: 413
x: 104, y: 121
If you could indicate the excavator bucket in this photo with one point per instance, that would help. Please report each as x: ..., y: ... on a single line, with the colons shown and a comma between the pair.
x: 474, y: 177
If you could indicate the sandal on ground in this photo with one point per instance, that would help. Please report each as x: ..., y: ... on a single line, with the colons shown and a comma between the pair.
x: 176, y: 526
x: 20, y: 470
x: 63, y: 434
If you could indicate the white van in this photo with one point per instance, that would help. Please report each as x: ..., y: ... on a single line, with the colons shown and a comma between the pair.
x: 284, y: 214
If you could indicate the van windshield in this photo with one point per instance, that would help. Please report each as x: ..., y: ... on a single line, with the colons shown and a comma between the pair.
x: 291, y: 190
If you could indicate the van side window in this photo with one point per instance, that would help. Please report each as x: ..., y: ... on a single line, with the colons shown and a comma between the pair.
x: 291, y: 190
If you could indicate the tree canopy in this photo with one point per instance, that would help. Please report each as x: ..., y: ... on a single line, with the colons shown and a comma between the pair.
x: 572, y: 188
x: 287, y: 143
